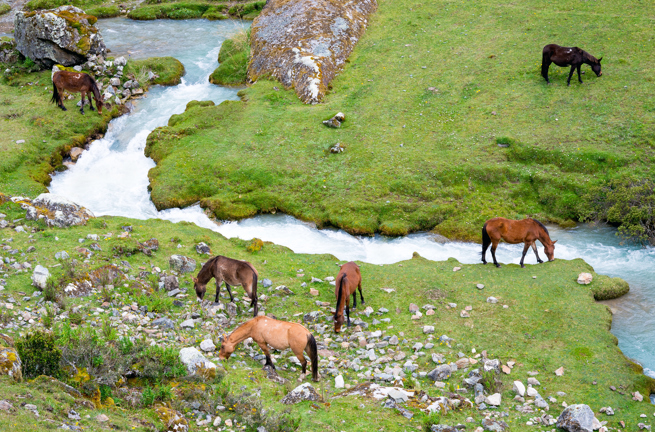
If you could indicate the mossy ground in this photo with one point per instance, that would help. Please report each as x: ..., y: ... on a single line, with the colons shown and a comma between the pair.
x: 233, y: 61
x: 26, y: 113
x: 212, y: 10
x: 550, y: 322
x: 429, y: 92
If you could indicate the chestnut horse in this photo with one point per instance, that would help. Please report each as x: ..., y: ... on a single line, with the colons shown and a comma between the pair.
x: 75, y: 82
x: 565, y: 56
x: 280, y: 335
x: 233, y: 272
x: 525, y: 231
x: 348, y: 280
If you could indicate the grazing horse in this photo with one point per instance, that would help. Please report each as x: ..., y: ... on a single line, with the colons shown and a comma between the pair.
x: 348, y: 280
x: 565, y: 56
x: 233, y: 272
x: 75, y: 82
x: 525, y: 231
x: 280, y: 335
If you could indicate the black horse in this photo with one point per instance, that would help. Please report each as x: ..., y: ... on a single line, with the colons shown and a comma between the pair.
x: 565, y: 56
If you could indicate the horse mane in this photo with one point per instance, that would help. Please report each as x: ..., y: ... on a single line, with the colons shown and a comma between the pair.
x: 94, y: 87
x: 207, y: 267
x: 589, y: 57
x: 543, y: 226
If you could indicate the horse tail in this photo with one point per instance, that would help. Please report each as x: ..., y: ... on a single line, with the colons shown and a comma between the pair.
x: 486, y: 240
x: 55, y: 93
x: 312, y: 350
x: 545, y: 62
x: 339, y: 292
x: 253, y: 293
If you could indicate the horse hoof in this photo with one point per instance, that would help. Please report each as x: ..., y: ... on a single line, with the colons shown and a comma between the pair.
x: 498, y: 265
x: 522, y: 266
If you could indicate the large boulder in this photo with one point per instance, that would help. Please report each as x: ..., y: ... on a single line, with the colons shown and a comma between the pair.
x: 304, y: 43
x: 182, y: 264
x: 197, y: 364
x: 65, y: 35
x: 40, y: 277
x: 56, y: 211
x: 576, y: 418
x: 10, y: 363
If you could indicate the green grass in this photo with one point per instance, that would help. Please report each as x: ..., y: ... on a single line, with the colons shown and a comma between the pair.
x: 233, y: 61
x: 155, y: 9
x: 104, y: 11
x: 26, y: 113
x: 550, y: 322
x: 483, y: 59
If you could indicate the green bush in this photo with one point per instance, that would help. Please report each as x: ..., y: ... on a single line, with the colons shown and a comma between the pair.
x: 39, y: 354
x: 158, y: 394
x: 4, y: 8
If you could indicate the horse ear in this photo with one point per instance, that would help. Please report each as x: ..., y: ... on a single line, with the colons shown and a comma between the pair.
x: 555, y: 242
x: 194, y: 279
x: 599, y: 59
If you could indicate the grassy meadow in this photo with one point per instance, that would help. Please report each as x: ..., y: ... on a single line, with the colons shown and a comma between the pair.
x: 543, y: 321
x: 429, y: 93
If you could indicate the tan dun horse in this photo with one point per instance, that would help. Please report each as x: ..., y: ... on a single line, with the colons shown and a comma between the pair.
x: 280, y: 335
x: 525, y: 231
x: 232, y: 272
x: 75, y: 82
x: 348, y: 280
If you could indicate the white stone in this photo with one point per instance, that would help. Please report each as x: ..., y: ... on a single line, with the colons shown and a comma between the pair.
x: 532, y: 392
x: 519, y: 388
x: 192, y: 359
x: 338, y: 382
x: 494, y: 399
x: 585, y: 278
x: 207, y: 345
x: 428, y: 329
x: 40, y: 276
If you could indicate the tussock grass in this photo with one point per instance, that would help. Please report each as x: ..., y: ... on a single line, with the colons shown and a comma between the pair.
x: 233, y: 60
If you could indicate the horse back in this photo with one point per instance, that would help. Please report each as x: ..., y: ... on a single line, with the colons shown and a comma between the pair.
x: 353, y: 276
x: 73, y: 81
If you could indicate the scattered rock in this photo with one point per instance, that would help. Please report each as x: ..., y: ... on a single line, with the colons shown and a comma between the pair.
x: 102, y: 418
x: 182, y: 264
x: 203, y: 249
x: 576, y: 418
x: 301, y: 393
x: 62, y: 255
x: 207, y: 345
x: 164, y: 322
x: 10, y: 363
x: 171, y: 282
x: 494, y: 399
x: 494, y: 425
x: 560, y: 371
x: 492, y: 300
x: 440, y: 373
x: 636, y: 396
x: 75, y: 153
x: 428, y: 329
x: 479, y: 286
x: 188, y: 324
x: 339, y: 382
x: 335, y: 122
x: 585, y: 278
x: 40, y: 277
x: 266, y: 283
x: 56, y: 211
x: 196, y: 363
x: 173, y: 421
x: 519, y: 388
x: 337, y: 148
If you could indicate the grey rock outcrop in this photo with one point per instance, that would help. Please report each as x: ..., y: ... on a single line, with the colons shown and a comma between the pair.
x: 65, y: 35
x: 56, y: 211
x: 576, y: 418
x: 8, y: 52
x: 304, y: 43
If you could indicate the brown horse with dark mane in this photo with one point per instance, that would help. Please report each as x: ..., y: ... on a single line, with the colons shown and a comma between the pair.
x: 75, y: 82
x: 348, y: 280
x: 280, y: 335
x: 568, y: 56
x: 525, y: 231
x: 232, y: 272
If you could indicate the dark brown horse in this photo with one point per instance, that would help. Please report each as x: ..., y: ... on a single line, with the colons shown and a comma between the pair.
x: 525, y: 231
x: 565, y: 56
x: 348, y: 280
x: 232, y: 272
x: 75, y: 82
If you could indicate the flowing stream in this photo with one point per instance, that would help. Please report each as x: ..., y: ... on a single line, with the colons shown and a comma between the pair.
x: 112, y: 179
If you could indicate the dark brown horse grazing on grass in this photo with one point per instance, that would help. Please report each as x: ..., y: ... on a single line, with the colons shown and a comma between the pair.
x: 525, y: 231
x: 565, y: 56
x: 75, y: 82
x: 348, y: 280
x: 233, y: 272
x: 280, y: 335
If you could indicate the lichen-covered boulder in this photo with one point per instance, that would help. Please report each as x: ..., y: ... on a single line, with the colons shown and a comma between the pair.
x: 65, y: 35
x: 182, y: 264
x: 576, y: 418
x: 173, y: 420
x: 197, y: 364
x: 56, y: 211
x: 8, y: 52
x: 10, y: 363
x: 304, y: 43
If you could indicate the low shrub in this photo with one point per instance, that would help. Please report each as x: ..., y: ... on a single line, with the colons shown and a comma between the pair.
x: 4, y: 8
x: 39, y: 354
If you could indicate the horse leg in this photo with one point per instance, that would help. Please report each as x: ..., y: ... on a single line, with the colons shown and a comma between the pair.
x: 61, y: 99
x: 361, y: 296
x: 88, y: 95
x: 545, y: 64
x: 218, y: 290
x: 494, y: 245
x: 229, y: 291
x: 579, y: 78
x: 348, y: 315
x: 568, y: 82
x: 303, y: 363
x: 82, y: 101
x: 267, y: 353
x: 534, y: 248
x: 355, y: 299
x: 526, y: 246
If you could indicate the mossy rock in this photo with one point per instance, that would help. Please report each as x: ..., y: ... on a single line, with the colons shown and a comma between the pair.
x: 173, y: 420
x: 10, y: 363
x: 607, y: 288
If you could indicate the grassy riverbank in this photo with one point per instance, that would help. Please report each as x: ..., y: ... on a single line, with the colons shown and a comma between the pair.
x: 429, y: 94
x: 35, y: 135
x: 543, y: 320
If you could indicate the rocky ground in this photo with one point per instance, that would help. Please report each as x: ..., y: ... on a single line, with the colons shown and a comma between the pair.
x: 459, y: 345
